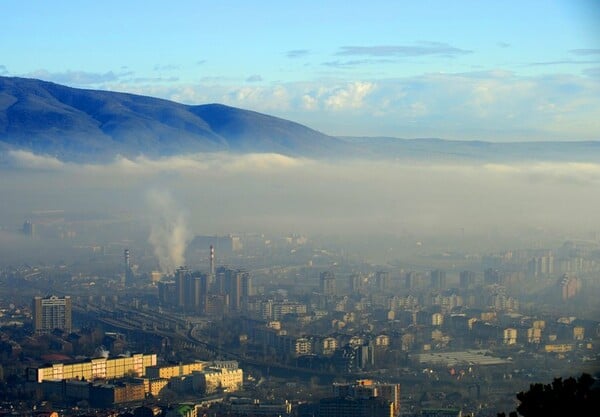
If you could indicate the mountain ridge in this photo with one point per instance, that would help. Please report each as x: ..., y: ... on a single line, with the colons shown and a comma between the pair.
x: 72, y: 123
x: 95, y: 125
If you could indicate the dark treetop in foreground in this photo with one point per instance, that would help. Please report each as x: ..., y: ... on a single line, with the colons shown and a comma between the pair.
x: 571, y: 397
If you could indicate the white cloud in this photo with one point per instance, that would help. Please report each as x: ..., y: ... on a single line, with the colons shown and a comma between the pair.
x: 550, y: 172
x: 208, y: 164
x: 26, y: 159
x: 265, y: 162
x: 258, y: 192
x: 258, y: 98
x: 486, y: 105
x: 351, y: 96
x: 219, y: 164
x: 309, y: 102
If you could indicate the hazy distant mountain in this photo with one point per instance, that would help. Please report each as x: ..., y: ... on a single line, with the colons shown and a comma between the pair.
x: 92, y: 125
x: 76, y: 124
x: 472, y: 150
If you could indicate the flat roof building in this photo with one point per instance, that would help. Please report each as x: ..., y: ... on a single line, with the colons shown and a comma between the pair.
x: 97, y: 368
x: 51, y: 313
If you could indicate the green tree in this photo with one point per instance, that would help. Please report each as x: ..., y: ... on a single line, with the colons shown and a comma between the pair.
x: 569, y: 397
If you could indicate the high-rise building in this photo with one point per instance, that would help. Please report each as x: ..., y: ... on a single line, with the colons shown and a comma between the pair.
x: 193, y: 292
x: 51, y: 313
x: 327, y: 283
x: 28, y: 229
x: 467, y: 279
x: 356, y: 283
x: 181, y: 276
x: 127, y: 265
x: 569, y: 286
x: 191, y: 289
x: 167, y: 293
x: 382, y: 280
x: 491, y: 276
x: 197, y: 284
x: 438, y: 279
x: 236, y: 284
x: 541, y: 265
x: 411, y: 280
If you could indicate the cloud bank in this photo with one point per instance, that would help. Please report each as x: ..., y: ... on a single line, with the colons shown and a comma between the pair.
x: 484, y: 105
x: 224, y: 193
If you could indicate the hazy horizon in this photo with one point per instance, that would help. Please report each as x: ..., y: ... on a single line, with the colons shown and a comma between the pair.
x: 275, y: 194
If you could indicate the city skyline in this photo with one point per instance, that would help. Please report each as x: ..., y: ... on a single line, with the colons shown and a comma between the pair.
x: 341, y: 208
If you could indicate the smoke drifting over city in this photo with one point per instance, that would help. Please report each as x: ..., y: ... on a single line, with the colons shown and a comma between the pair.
x: 169, y: 233
x: 226, y: 193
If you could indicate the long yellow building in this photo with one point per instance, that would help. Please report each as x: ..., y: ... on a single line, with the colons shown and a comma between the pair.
x: 559, y: 348
x: 97, y: 368
x: 171, y: 371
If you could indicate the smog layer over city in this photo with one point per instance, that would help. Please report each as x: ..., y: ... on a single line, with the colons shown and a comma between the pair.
x: 312, y: 209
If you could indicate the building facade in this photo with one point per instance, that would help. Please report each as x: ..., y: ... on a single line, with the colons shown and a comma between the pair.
x: 51, y: 313
x: 103, y: 368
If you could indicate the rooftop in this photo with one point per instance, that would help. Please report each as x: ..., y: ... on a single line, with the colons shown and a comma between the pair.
x: 471, y: 357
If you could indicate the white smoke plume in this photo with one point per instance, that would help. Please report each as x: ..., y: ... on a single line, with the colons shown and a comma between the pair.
x: 101, y: 352
x: 169, y: 234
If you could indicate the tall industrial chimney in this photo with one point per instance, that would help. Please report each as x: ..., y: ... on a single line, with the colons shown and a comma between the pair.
x: 127, y: 277
x: 212, y: 260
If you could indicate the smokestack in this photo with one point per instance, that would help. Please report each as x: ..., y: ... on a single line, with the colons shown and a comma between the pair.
x: 128, y: 275
x: 211, y: 275
x: 212, y: 260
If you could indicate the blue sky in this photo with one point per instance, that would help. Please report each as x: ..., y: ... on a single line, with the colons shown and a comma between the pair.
x: 487, y: 70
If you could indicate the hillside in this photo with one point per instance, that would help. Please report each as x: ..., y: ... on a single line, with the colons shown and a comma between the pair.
x: 91, y: 125
x: 76, y: 124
